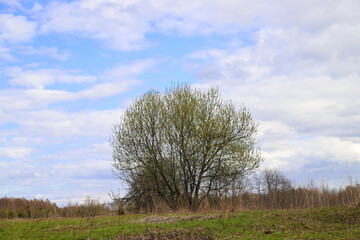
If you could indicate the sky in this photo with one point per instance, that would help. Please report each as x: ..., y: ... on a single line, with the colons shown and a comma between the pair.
x: 69, y: 69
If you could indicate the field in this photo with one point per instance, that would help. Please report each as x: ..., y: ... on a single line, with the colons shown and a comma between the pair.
x: 323, y: 223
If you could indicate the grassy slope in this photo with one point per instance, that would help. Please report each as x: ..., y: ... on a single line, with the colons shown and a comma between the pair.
x: 325, y: 223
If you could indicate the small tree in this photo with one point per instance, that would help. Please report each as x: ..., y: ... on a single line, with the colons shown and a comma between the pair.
x: 182, y: 145
x: 275, y: 187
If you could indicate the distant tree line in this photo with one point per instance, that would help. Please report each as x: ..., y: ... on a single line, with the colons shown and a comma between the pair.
x: 271, y: 189
x: 265, y: 190
x: 22, y: 208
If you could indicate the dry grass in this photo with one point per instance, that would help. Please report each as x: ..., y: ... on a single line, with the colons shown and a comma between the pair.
x: 172, y: 219
x: 323, y: 223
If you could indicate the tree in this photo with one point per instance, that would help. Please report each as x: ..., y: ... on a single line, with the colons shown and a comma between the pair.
x: 182, y: 145
x: 274, y: 186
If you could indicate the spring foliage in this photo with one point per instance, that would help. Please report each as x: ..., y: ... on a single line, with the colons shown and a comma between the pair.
x: 182, y: 145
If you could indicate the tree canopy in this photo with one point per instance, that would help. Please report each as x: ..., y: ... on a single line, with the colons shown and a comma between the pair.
x: 182, y: 145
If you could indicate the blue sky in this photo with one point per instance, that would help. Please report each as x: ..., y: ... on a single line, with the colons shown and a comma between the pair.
x: 68, y: 69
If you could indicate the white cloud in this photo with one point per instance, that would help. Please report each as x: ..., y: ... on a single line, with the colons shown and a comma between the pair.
x: 106, y: 89
x: 40, y: 98
x: 120, y: 24
x: 279, y: 83
x: 16, y: 28
x: 81, y: 155
x: 90, y: 152
x: 59, y: 125
x: 36, y: 7
x: 59, y: 182
x: 5, y: 53
x: 13, y: 4
x: 45, y: 127
x: 123, y: 25
x: 130, y: 70
x: 41, y: 77
x: 332, y: 149
x: 283, y: 147
x: 113, y: 81
x: 15, y: 152
x: 52, y: 52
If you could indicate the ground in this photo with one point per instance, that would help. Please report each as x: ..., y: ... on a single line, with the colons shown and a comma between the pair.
x: 323, y: 223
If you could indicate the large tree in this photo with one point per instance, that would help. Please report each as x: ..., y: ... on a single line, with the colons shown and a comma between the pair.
x: 182, y: 145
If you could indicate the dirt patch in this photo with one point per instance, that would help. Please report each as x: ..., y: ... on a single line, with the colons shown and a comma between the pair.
x: 159, y: 219
x: 162, y: 219
x: 174, y: 234
x: 68, y: 228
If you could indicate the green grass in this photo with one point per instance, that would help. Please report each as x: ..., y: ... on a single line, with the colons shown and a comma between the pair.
x: 324, y: 223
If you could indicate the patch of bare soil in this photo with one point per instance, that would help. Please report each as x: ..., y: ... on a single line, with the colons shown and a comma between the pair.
x: 174, y: 234
x: 162, y: 219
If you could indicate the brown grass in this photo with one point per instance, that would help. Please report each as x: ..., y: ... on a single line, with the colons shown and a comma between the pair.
x: 158, y: 234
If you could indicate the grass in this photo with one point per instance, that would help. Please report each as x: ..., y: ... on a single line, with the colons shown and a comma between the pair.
x: 323, y: 223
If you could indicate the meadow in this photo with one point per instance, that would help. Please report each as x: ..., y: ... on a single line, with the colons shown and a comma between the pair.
x: 283, y: 212
x: 317, y: 223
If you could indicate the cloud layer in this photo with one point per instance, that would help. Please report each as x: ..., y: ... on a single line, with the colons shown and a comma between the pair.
x: 68, y: 70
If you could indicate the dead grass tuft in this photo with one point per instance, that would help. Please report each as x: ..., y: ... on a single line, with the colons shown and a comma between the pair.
x: 176, y: 234
x: 162, y: 219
